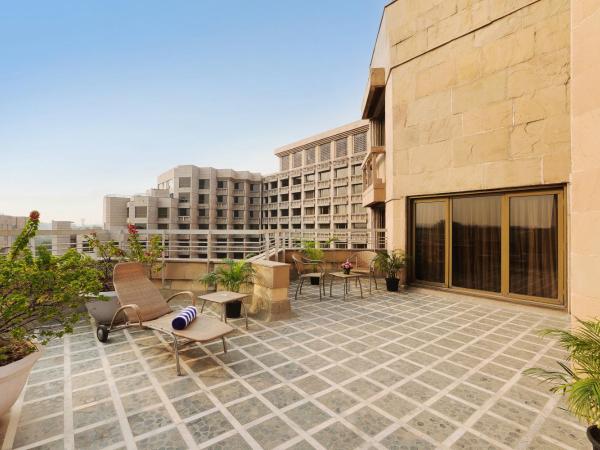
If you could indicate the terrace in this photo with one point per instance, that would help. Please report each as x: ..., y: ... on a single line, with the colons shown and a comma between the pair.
x: 414, y: 369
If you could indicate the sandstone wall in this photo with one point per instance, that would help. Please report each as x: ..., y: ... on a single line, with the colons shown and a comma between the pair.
x: 477, y: 98
x: 585, y: 192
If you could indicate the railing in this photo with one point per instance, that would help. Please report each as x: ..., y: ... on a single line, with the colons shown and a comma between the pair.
x: 214, y: 245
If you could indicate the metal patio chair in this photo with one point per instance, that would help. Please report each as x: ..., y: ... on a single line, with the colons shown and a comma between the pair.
x: 302, y: 267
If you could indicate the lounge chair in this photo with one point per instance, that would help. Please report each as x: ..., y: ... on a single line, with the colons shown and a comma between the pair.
x: 144, y: 306
x: 302, y: 267
x: 363, y: 263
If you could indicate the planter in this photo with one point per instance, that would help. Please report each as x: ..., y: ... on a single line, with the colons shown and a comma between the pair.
x: 103, y: 310
x: 315, y: 281
x: 347, y: 271
x: 13, y: 378
x: 233, y: 310
x: 392, y: 284
x: 593, y: 434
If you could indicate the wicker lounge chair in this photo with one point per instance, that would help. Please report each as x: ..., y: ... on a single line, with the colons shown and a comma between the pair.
x: 144, y: 306
x: 364, y: 264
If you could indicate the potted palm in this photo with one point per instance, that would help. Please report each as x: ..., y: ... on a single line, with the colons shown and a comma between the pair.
x: 390, y: 263
x: 40, y: 295
x: 578, y: 378
x: 232, y: 275
x: 313, y: 254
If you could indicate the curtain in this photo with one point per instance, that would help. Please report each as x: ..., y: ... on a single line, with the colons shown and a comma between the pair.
x: 534, y: 245
x: 430, y: 241
x: 476, y: 243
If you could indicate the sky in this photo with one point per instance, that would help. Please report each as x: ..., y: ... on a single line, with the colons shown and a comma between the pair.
x: 100, y: 97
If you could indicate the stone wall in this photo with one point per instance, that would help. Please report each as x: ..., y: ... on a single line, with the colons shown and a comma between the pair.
x: 585, y: 193
x: 477, y: 97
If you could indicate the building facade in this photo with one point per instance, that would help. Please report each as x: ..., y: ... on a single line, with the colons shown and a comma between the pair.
x: 472, y: 159
x: 9, y: 224
x: 319, y: 185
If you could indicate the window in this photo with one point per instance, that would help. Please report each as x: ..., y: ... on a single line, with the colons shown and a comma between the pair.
x: 221, y: 184
x: 341, y: 226
x: 183, y: 212
x: 184, y: 226
x: 359, y: 226
x: 357, y: 189
x: 254, y: 187
x: 220, y: 199
x: 202, y: 212
x: 324, y: 226
x: 202, y: 199
x: 341, y: 172
x: 297, y: 159
x: 357, y: 208
x: 296, y: 211
x: 285, y: 197
x: 360, y: 143
x: 254, y: 200
x: 238, y: 200
x: 273, y: 213
x: 238, y: 186
x: 203, y: 184
x: 309, y: 177
x: 220, y: 213
x: 284, y: 163
x: 274, y: 184
x: 324, y: 176
x: 310, y: 211
x: 236, y: 214
x: 309, y: 195
x: 296, y: 181
x: 504, y: 243
x: 251, y: 214
x: 341, y: 148
x: 356, y: 169
x: 341, y: 190
x: 203, y: 226
x: 340, y: 209
x: 185, y: 182
x: 324, y: 192
x: 140, y: 226
x: 184, y: 197
x: 141, y: 212
x: 297, y: 196
x: 324, y: 210
x: 309, y: 156
x: 163, y: 213
x: 265, y: 186
x: 273, y: 199
x: 285, y: 212
x: 325, y: 152
x: 284, y: 182
x: 221, y: 226
x: 163, y: 226
x: 284, y: 226
x: 309, y: 226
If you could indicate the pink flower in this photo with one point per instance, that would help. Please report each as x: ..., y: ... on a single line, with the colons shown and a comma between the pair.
x: 132, y: 229
x: 34, y: 215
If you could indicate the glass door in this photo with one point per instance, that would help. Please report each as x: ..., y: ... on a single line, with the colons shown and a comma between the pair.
x: 430, y: 240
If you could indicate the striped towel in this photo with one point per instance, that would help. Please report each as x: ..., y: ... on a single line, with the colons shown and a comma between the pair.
x: 184, y: 318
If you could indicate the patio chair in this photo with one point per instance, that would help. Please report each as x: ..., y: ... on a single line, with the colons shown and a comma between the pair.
x: 144, y: 306
x: 364, y: 263
x: 305, y: 271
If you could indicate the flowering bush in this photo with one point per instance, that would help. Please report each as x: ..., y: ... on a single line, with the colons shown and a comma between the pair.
x: 109, y: 253
x: 347, y: 266
x: 39, y: 294
x: 146, y: 254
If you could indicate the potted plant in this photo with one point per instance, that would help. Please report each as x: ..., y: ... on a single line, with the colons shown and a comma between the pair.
x: 390, y: 263
x: 315, y: 255
x: 103, y: 308
x: 578, y: 379
x: 347, y: 267
x: 39, y: 298
x: 148, y: 254
x: 232, y: 274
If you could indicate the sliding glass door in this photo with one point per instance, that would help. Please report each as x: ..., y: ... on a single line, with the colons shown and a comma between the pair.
x: 509, y: 244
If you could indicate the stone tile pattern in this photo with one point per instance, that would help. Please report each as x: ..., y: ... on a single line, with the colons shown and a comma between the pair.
x: 408, y: 370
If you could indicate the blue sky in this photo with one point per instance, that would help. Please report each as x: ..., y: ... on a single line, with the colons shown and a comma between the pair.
x: 100, y: 97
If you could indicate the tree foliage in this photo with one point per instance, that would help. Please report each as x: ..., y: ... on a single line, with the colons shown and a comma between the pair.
x: 39, y: 294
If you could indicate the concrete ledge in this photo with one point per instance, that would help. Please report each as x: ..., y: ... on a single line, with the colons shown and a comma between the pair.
x: 270, y: 301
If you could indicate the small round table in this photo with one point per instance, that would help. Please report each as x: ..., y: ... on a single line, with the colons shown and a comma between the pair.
x: 346, y: 278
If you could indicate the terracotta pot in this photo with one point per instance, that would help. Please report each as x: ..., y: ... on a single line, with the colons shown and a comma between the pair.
x: 13, y: 378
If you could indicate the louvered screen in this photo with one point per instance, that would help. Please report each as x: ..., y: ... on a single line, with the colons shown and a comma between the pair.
x: 341, y: 148
x: 309, y: 155
x: 325, y: 152
x: 285, y: 162
x: 297, y: 159
x: 360, y: 143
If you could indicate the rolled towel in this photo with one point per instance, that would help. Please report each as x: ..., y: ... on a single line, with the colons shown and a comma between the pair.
x: 184, y: 318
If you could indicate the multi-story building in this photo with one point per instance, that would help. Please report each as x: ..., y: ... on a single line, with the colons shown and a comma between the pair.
x: 320, y: 183
x: 484, y: 157
x: 9, y: 224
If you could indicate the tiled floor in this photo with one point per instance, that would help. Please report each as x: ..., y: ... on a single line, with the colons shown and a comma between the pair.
x: 412, y: 370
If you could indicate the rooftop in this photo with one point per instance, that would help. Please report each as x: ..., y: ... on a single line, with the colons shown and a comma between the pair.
x: 415, y: 369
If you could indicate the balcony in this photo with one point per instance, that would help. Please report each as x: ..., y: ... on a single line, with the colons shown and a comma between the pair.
x: 309, y: 185
x: 296, y: 219
x: 340, y: 200
x: 295, y: 203
x: 358, y: 217
x: 323, y: 184
x: 296, y: 188
x: 308, y: 218
x: 310, y: 202
x: 340, y: 182
x: 323, y: 219
x: 239, y: 192
x: 323, y: 201
x: 373, y: 194
x: 283, y: 205
x: 183, y: 219
x: 340, y: 218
